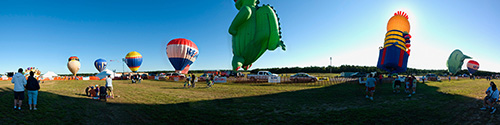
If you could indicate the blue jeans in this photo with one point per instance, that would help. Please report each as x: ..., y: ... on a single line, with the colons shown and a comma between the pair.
x: 32, y: 95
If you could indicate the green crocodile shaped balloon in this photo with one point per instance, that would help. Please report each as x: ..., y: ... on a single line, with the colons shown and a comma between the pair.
x: 254, y: 29
x: 456, y: 60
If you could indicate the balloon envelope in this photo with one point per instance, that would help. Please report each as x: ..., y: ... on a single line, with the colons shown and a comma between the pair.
x: 472, y: 66
x: 74, y: 64
x: 133, y: 60
x: 100, y: 64
x: 455, y: 61
x: 182, y: 53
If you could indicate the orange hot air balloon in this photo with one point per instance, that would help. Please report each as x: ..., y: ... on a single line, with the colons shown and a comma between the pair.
x: 399, y: 22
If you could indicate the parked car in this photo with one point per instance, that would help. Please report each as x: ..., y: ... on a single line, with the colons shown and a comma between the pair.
x: 303, y: 77
x: 235, y: 74
x: 172, y: 75
x: 261, y: 75
x: 144, y: 76
x: 432, y: 77
x: 359, y: 74
x: 204, y: 76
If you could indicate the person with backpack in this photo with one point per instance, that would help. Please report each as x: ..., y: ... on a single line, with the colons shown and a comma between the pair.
x: 492, y: 95
x: 32, y: 86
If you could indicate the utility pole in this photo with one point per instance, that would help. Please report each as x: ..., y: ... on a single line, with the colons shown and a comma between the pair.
x: 331, y: 64
x: 123, y: 66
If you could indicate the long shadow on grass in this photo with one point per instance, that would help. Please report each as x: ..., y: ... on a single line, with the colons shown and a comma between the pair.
x: 341, y: 103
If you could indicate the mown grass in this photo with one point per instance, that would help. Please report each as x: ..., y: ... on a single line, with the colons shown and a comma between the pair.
x: 160, y: 102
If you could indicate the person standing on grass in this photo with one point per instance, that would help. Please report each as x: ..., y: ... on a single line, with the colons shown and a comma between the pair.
x: 19, y: 82
x: 423, y: 79
x: 109, y: 86
x: 32, y: 86
x: 188, y: 82
x: 492, y: 95
x: 370, y: 86
x: 380, y: 77
x: 193, y: 77
x: 414, y: 84
x: 396, y: 84
x: 408, y: 81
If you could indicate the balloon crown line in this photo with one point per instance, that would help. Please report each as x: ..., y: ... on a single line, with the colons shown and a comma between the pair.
x: 256, y: 2
x: 401, y: 13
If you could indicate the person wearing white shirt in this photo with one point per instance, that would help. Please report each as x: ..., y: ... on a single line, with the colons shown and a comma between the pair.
x: 109, y: 85
x: 492, y: 95
x: 19, y: 82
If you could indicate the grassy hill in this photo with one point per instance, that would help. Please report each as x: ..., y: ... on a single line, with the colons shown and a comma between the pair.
x: 160, y: 102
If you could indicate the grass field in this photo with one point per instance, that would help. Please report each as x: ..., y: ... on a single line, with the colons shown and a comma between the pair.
x: 160, y: 102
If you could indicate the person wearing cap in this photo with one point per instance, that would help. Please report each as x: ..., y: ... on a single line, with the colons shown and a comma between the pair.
x: 19, y: 82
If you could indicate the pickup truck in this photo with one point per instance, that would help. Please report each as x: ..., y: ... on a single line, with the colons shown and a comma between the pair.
x: 261, y: 75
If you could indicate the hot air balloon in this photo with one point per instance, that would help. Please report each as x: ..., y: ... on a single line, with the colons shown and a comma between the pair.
x: 74, y: 64
x: 182, y: 53
x: 255, y: 29
x: 393, y: 56
x: 472, y: 66
x: 455, y: 61
x: 100, y: 64
x: 133, y: 60
x: 32, y: 69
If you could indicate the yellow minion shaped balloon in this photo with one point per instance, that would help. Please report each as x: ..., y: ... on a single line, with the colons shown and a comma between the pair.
x: 393, y: 56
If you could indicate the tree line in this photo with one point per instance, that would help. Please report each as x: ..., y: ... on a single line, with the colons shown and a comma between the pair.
x: 366, y: 69
x: 330, y: 69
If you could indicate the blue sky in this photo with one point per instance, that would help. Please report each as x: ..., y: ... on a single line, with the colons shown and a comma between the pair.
x: 45, y: 34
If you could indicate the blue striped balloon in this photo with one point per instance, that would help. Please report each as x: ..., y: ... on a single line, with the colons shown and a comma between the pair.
x: 182, y: 53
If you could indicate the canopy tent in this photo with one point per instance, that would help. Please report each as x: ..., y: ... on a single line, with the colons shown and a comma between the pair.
x: 4, y: 77
x: 105, y: 73
x: 50, y: 75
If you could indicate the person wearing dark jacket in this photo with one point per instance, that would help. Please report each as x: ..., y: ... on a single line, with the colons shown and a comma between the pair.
x: 32, y: 86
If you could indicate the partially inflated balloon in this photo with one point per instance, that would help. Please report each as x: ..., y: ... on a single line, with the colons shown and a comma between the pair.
x: 100, y: 64
x: 133, y: 60
x: 74, y: 64
x: 254, y: 30
x: 472, y: 66
x: 182, y: 53
x: 455, y: 61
